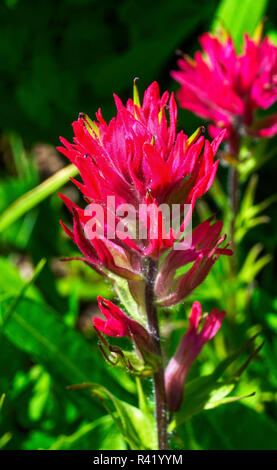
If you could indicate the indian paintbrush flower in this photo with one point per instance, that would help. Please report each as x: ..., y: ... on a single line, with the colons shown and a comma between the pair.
x: 189, y: 348
x: 228, y: 88
x: 136, y: 159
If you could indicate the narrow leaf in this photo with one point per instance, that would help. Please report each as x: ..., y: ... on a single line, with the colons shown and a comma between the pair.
x: 137, y: 427
x: 33, y: 197
x: 36, y: 329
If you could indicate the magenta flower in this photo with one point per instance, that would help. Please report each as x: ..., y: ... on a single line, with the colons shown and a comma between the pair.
x: 102, y: 253
x: 187, y: 351
x: 202, y: 249
x: 227, y: 88
x: 138, y: 157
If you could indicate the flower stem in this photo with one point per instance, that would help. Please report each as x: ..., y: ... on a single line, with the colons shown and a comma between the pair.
x: 234, y: 186
x: 234, y: 208
x: 234, y: 198
x: 161, y: 407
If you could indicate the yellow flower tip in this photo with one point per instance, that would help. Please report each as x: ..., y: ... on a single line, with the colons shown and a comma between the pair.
x: 194, y: 136
x: 91, y: 126
x: 136, y: 93
x: 190, y: 60
x: 160, y: 115
x: 258, y: 33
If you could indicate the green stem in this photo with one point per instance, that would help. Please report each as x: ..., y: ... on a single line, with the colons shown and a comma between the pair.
x: 153, y: 325
x: 234, y: 206
x: 234, y: 199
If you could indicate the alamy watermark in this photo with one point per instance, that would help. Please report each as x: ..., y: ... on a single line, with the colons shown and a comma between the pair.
x: 147, y: 221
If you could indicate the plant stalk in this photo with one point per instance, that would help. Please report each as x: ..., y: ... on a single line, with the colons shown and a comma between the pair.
x: 234, y: 199
x: 153, y: 325
x: 234, y: 208
x: 234, y: 183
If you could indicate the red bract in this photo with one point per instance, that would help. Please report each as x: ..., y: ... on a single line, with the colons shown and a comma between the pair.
x: 102, y: 253
x: 118, y: 324
x: 202, y: 249
x: 187, y: 351
x: 227, y: 88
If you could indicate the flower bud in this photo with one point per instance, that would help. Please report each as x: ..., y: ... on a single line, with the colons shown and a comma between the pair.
x: 118, y: 324
x: 187, y: 351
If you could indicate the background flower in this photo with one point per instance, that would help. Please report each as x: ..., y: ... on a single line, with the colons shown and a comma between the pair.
x: 188, y: 350
x: 227, y: 87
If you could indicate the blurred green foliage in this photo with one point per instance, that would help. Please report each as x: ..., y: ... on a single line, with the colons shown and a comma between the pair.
x: 56, y: 59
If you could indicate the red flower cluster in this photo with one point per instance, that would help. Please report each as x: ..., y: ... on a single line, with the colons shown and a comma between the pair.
x: 227, y: 88
x: 139, y: 153
x: 140, y: 159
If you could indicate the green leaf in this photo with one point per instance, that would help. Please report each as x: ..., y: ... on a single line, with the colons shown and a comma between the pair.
x: 7, y: 436
x: 211, y: 391
x: 29, y: 200
x: 41, y: 392
x: 235, y: 427
x: 253, y: 155
x: 37, y: 440
x: 249, y: 215
x: 137, y: 427
x: 101, y: 434
x: 2, y: 399
x: 19, y: 233
x: 141, y: 396
x: 83, y: 282
x: 273, y: 36
x: 271, y: 319
x: 36, y: 329
x: 21, y: 293
x: 5, y: 439
x: 249, y: 195
x: 253, y: 264
x: 239, y: 17
x: 19, y: 155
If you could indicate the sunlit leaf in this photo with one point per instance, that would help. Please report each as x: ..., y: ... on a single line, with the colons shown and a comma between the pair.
x: 239, y: 17
x: 101, y: 434
x: 137, y: 427
x: 37, y: 330
x: 234, y: 427
x: 29, y: 200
